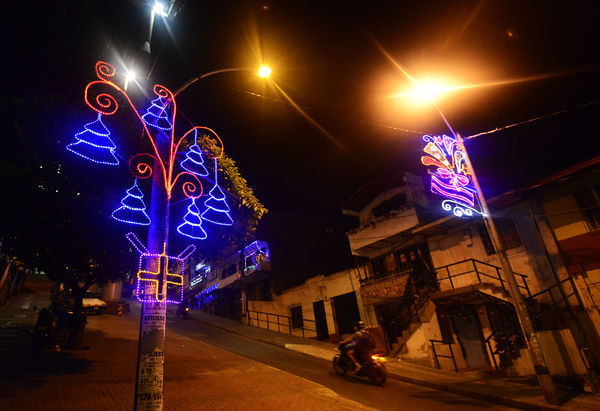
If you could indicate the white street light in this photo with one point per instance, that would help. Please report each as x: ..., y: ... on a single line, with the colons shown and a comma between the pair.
x: 130, y: 77
x: 160, y: 9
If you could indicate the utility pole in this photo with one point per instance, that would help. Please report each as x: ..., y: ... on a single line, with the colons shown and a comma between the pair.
x: 536, y: 354
x: 149, y: 379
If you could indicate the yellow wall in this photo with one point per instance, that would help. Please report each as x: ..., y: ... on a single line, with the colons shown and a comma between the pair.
x: 565, y: 218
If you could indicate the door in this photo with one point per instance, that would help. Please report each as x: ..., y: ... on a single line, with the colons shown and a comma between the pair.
x: 468, y: 330
x: 346, y: 312
x: 321, y: 320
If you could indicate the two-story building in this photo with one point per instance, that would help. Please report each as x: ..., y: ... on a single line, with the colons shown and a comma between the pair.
x: 434, y: 285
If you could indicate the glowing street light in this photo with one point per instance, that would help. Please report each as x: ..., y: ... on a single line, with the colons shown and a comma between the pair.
x: 264, y: 71
x: 129, y: 77
x: 160, y: 9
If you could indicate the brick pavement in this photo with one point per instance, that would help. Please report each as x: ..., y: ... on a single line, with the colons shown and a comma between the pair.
x: 197, y: 376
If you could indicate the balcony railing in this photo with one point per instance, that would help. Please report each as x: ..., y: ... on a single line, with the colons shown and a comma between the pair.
x: 471, y: 271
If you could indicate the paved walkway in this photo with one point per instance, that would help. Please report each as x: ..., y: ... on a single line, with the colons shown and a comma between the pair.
x: 497, y: 390
x: 197, y: 376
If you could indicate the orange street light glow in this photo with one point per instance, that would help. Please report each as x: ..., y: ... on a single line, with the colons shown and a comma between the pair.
x: 426, y: 91
x: 264, y: 71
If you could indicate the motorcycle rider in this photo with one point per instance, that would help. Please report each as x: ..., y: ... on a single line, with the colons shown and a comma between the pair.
x: 356, y: 344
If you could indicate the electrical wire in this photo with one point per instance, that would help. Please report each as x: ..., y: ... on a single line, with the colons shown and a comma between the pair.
x: 531, y: 120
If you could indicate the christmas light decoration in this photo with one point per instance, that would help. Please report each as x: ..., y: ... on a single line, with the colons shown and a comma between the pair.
x: 192, y: 223
x: 217, y: 211
x: 133, y: 208
x: 194, y: 162
x: 94, y: 143
x: 450, y: 177
x: 157, y: 114
x: 162, y: 279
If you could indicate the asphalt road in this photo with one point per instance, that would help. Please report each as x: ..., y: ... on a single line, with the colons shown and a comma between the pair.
x: 394, y: 395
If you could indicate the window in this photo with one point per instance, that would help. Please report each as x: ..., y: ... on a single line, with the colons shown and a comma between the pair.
x: 509, y: 236
x: 396, y: 203
x: 588, y: 203
x: 378, y: 269
x: 296, y: 314
x: 230, y: 270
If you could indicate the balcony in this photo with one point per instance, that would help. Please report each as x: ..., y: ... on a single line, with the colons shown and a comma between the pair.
x: 382, y: 290
x: 471, y: 272
x: 376, y: 234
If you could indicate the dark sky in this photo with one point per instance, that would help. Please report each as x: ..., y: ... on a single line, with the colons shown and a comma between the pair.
x: 327, y: 56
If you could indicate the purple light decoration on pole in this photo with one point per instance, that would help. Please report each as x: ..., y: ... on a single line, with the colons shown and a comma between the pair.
x: 450, y: 176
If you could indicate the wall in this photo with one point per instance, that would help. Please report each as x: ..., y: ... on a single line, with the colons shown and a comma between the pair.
x: 464, y: 242
x: 320, y: 288
x: 561, y: 354
x: 565, y: 224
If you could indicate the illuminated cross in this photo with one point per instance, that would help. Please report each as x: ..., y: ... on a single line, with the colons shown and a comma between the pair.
x: 161, y: 277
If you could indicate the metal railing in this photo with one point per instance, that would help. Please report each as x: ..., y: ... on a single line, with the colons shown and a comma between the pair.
x: 492, y: 353
x: 483, y: 272
x: 436, y: 355
x: 278, y: 321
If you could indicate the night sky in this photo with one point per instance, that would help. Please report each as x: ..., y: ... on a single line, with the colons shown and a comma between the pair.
x: 329, y: 57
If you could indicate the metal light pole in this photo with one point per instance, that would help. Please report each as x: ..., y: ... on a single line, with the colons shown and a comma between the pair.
x: 534, y: 349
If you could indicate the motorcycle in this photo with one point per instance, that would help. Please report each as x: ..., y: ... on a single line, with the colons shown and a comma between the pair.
x: 372, y: 368
x: 183, y: 312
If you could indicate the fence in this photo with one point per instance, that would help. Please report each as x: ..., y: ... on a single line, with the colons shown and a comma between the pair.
x: 436, y: 355
x: 281, y: 324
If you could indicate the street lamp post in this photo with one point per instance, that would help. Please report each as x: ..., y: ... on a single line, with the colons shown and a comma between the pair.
x: 534, y: 348
x: 535, y: 352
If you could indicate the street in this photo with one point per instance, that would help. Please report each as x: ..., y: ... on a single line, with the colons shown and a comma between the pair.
x: 393, y: 395
x: 205, y: 368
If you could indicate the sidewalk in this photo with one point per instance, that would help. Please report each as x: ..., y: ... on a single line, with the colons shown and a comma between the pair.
x: 496, y: 390
x: 198, y: 376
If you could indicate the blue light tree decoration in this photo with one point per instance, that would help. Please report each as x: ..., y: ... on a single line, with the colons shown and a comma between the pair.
x: 157, y: 115
x: 160, y: 118
x: 194, y: 162
x: 217, y: 211
x: 133, y: 208
x: 94, y: 143
x: 192, y: 223
x: 450, y: 176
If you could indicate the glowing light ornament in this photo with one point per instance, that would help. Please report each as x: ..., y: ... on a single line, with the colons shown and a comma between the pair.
x: 192, y: 223
x: 157, y: 114
x: 450, y: 177
x: 217, y: 211
x: 162, y: 278
x: 94, y: 143
x: 133, y: 208
x: 194, y: 162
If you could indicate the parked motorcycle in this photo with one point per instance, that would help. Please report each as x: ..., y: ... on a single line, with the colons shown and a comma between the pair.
x: 372, y: 368
x: 183, y: 312
x: 42, y: 335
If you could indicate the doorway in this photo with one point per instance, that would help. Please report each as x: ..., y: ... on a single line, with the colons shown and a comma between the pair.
x: 468, y: 330
x: 346, y: 312
x: 321, y: 320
